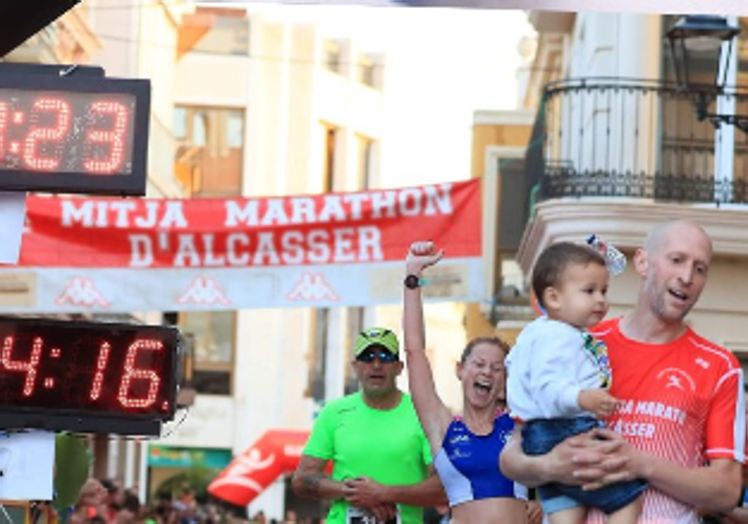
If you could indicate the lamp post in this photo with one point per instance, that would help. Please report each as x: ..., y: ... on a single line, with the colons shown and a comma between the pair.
x: 704, y: 43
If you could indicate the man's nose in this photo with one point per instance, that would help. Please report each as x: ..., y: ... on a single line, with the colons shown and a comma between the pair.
x: 686, y: 273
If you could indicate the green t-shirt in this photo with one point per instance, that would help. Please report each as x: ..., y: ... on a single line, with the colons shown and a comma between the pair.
x: 387, y: 446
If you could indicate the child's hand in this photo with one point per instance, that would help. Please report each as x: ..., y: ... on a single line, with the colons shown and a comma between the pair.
x: 421, y: 255
x: 597, y: 401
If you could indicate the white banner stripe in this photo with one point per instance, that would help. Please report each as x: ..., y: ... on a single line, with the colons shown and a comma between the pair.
x: 76, y: 290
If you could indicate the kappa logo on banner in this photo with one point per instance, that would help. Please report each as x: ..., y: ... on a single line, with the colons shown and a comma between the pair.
x: 312, y: 286
x: 82, y: 291
x: 204, y: 290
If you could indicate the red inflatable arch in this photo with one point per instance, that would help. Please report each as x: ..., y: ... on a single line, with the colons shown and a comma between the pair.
x: 276, y: 452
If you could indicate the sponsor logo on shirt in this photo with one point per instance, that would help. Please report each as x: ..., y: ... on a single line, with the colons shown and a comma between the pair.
x: 677, y: 378
x: 459, y: 438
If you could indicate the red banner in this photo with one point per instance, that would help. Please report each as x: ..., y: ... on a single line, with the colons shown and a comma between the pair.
x: 328, y: 250
x: 334, y: 228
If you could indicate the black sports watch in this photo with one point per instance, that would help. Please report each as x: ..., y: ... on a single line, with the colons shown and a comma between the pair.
x: 412, y: 281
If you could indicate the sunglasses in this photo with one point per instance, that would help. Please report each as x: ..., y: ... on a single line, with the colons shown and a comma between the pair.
x: 384, y: 356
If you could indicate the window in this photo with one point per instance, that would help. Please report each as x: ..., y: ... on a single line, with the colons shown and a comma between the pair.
x: 740, y: 171
x: 332, y: 56
x: 364, y: 153
x: 366, y: 70
x: 212, y: 336
x: 328, y: 158
x: 210, y: 149
x: 354, y: 326
x: 318, y: 358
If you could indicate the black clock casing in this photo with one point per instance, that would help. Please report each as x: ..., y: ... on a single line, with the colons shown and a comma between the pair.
x: 87, y: 376
x: 78, y: 133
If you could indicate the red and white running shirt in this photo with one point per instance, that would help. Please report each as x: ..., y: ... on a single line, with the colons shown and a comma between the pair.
x: 682, y: 401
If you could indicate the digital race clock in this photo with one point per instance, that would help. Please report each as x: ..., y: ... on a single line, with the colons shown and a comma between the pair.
x: 78, y: 133
x: 87, y: 376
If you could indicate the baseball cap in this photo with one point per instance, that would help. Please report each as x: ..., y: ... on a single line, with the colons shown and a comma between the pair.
x: 377, y: 337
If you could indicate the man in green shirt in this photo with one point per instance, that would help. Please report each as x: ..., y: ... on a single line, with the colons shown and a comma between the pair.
x: 381, y: 463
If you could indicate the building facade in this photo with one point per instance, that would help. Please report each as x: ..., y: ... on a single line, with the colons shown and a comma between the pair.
x: 266, y: 106
x: 617, y: 148
x: 246, y: 102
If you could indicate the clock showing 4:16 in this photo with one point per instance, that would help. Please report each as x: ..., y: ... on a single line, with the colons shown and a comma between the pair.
x: 88, y: 368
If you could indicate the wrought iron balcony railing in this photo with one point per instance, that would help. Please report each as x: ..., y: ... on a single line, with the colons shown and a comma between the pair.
x: 634, y: 138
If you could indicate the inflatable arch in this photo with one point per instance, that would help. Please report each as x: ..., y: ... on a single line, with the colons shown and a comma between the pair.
x: 278, y: 451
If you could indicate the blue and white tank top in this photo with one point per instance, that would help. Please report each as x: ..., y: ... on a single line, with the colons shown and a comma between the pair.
x: 468, y: 464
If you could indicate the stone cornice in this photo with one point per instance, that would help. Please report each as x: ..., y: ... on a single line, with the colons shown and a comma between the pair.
x: 626, y: 222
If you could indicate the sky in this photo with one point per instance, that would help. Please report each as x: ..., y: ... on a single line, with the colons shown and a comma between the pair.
x: 442, y: 65
x: 455, y: 63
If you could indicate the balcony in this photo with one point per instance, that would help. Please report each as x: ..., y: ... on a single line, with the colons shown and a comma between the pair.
x: 623, y: 138
x: 614, y: 156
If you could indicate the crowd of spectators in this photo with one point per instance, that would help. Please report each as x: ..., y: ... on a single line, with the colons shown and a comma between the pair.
x: 106, y: 501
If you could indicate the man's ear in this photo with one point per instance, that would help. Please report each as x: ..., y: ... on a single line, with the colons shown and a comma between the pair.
x: 641, y: 262
x: 551, y: 298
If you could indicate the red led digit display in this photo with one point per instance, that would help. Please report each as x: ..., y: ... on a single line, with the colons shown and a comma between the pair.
x: 87, y: 368
x: 113, y: 140
x: 85, y: 134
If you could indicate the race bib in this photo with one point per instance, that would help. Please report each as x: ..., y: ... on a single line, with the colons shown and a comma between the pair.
x: 361, y: 516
